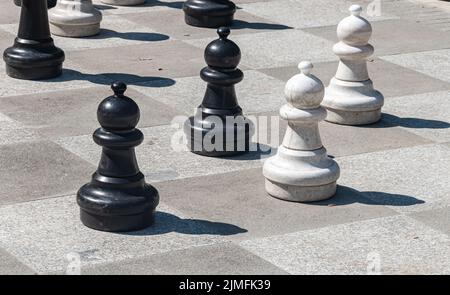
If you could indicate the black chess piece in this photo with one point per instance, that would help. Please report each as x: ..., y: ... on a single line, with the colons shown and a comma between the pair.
x: 219, y: 128
x: 33, y: 55
x: 117, y: 199
x: 209, y: 13
x: 50, y: 3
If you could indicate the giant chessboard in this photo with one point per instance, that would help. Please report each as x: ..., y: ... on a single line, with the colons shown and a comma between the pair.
x: 393, y: 199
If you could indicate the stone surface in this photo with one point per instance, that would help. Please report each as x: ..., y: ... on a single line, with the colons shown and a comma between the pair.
x: 32, y: 162
x: 354, y: 248
x: 123, y: 2
x: 11, y: 266
x: 247, y: 204
x: 301, y: 171
x: 75, y: 18
x: 438, y: 219
x: 220, y: 259
x: 350, y: 98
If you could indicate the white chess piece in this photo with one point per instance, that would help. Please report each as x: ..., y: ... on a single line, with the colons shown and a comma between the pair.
x: 350, y: 98
x: 301, y: 171
x: 74, y: 18
x: 123, y: 2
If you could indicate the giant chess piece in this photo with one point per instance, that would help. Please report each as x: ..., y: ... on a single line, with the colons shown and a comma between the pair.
x: 123, y: 2
x: 118, y: 199
x: 209, y: 13
x: 33, y: 55
x: 219, y: 128
x: 301, y: 171
x: 50, y: 3
x: 75, y: 18
x: 350, y: 98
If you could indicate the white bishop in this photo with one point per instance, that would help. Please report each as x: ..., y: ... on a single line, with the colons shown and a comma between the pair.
x: 301, y: 171
x: 350, y: 98
x: 75, y: 18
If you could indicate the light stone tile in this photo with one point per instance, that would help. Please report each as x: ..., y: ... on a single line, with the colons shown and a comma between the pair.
x: 438, y: 219
x: 162, y: 156
x: 402, y: 245
x: 11, y: 266
x: 407, y: 180
x: 42, y: 233
x: 149, y: 6
x: 14, y: 132
x: 115, y: 31
x: 427, y: 115
x: 435, y: 63
x: 276, y: 49
x: 303, y: 14
x: 256, y: 93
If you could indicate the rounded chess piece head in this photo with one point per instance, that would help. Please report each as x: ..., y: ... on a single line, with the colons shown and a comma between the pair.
x: 354, y: 29
x: 304, y: 90
x: 222, y: 52
x: 118, y: 112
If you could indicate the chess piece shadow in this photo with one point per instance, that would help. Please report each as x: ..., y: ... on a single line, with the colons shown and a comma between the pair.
x: 133, y: 36
x: 258, y: 151
x: 346, y: 196
x: 106, y: 78
x: 389, y: 120
x: 241, y: 24
x: 167, y: 223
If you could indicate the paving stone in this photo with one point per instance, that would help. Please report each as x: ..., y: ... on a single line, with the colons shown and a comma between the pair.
x: 256, y: 93
x: 6, y: 39
x: 9, y: 13
x: 392, y: 80
x: 427, y: 115
x: 74, y: 112
x: 24, y: 167
x: 14, y: 132
x: 354, y: 248
x: 220, y: 259
x: 140, y: 62
x: 240, y: 198
x: 435, y: 63
x: 438, y: 219
x: 11, y: 266
x: 388, y: 41
x: 301, y: 14
x: 276, y: 52
x: 387, y: 177
x: 41, y: 234
x: 171, y: 23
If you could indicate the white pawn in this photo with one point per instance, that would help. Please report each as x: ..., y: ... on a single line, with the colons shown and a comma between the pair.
x: 124, y: 2
x: 301, y: 171
x: 75, y: 18
x: 350, y: 98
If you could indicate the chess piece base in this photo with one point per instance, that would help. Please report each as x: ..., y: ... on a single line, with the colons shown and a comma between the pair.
x: 117, y: 204
x: 195, y: 129
x: 74, y: 31
x: 123, y: 2
x: 352, y: 103
x: 208, y: 14
x: 301, y: 194
x: 31, y: 60
x: 301, y: 176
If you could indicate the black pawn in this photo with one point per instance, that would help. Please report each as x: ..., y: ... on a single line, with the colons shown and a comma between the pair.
x: 117, y: 198
x: 33, y: 55
x: 50, y: 3
x: 209, y: 13
x: 219, y: 104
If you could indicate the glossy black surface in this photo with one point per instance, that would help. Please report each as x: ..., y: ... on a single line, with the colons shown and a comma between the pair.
x: 220, y: 102
x: 117, y: 198
x: 209, y: 13
x: 33, y: 55
x: 50, y: 3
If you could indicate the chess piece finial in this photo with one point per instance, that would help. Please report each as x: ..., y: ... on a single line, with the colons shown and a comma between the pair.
x: 301, y: 171
x: 209, y: 13
x: 219, y: 116
x: 123, y: 2
x: 33, y: 55
x: 75, y: 18
x: 117, y: 198
x: 350, y: 98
